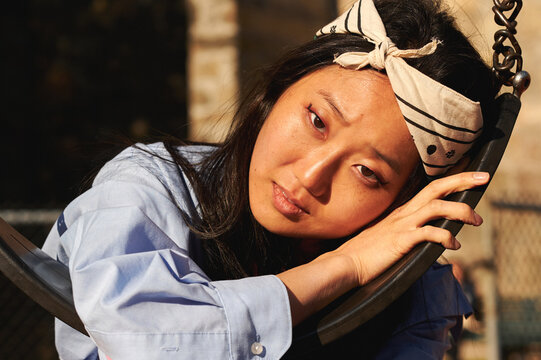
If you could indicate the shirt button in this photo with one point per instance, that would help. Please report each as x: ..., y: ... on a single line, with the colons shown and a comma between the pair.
x: 256, y: 348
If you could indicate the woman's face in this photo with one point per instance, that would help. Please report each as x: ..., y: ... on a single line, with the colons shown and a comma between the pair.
x: 332, y: 155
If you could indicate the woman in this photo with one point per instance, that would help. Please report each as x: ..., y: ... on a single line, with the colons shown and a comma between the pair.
x: 172, y: 250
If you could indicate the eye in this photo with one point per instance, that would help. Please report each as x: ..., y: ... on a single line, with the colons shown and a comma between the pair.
x: 316, y: 120
x: 368, y: 173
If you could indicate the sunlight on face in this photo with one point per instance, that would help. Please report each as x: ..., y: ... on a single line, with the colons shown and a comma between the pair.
x: 332, y: 155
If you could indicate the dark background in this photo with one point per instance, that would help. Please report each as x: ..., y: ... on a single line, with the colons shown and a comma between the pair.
x: 78, y: 79
x: 76, y: 74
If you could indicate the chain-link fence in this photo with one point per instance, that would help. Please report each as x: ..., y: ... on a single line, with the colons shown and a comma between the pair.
x: 517, y: 260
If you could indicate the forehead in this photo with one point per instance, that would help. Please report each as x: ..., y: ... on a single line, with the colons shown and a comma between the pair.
x: 367, y: 103
x: 348, y: 82
x: 356, y: 93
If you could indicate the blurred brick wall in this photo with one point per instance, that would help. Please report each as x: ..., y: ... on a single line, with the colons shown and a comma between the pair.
x: 212, y: 66
x: 229, y: 40
x: 269, y: 28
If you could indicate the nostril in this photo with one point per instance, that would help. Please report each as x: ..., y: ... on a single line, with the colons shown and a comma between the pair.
x: 316, y: 170
x: 317, y: 186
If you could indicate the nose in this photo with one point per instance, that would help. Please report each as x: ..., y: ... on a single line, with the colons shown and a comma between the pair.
x: 316, y: 170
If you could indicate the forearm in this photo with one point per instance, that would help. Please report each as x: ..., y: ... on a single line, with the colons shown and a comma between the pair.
x: 313, y: 285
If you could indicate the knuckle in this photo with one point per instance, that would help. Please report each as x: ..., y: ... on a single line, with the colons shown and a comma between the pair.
x: 443, y: 236
x: 434, y: 186
x: 467, y: 176
x: 461, y: 176
x: 402, y: 212
x: 436, y: 233
x: 440, y: 187
x: 465, y: 210
x: 447, y: 236
x: 435, y: 205
x: 427, y: 231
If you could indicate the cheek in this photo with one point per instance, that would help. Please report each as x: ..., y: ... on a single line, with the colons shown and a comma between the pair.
x: 352, y: 211
x: 262, y: 158
x: 271, y: 138
x: 279, y: 141
x: 265, y: 160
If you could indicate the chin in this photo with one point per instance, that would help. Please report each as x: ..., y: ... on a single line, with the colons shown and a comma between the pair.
x: 299, y: 227
x: 276, y: 226
x: 297, y: 230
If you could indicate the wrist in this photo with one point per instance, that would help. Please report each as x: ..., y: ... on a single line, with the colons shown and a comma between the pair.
x: 314, y: 285
x: 351, y: 264
x: 341, y: 267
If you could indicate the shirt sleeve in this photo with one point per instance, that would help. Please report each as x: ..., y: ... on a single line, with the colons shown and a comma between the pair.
x: 141, y: 295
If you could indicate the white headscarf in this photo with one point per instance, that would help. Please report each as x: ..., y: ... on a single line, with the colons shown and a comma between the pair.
x: 443, y: 123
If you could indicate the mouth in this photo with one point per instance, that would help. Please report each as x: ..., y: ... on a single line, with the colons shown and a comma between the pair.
x: 285, y: 203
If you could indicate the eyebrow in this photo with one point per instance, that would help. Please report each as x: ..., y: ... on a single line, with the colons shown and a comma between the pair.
x: 332, y: 102
x: 393, y: 164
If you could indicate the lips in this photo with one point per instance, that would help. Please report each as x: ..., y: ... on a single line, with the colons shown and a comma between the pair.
x: 285, y: 203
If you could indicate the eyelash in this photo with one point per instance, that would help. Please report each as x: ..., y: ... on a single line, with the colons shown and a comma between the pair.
x: 373, y: 177
x: 314, y: 117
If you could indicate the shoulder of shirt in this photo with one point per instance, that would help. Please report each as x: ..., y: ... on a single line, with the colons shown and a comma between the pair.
x: 152, y: 166
x: 153, y: 158
x: 143, y: 177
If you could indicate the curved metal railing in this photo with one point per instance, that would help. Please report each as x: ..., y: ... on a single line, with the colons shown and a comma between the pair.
x: 507, y: 58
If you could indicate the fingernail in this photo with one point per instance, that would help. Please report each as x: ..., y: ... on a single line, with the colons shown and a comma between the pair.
x: 480, y: 176
x: 478, y: 219
x: 457, y: 244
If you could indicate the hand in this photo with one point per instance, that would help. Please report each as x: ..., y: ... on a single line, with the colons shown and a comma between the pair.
x: 381, y: 245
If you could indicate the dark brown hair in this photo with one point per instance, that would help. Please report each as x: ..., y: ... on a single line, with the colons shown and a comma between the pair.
x: 235, y: 245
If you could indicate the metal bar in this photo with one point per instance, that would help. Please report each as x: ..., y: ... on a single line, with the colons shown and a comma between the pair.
x: 30, y: 216
x: 490, y: 287
x: 517, y: 206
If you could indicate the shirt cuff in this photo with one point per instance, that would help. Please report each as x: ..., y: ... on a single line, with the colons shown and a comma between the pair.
x: 259, y: 316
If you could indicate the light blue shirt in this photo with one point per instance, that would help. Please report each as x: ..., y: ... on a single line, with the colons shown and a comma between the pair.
x: 136, y: 284
x: 141, y: 295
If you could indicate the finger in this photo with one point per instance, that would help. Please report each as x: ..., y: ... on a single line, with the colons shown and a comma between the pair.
x: 436, y: 235
x: 450, y: 210
x: 440, y: 188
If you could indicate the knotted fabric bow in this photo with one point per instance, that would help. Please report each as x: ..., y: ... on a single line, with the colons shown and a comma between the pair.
x: 444, y: 124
